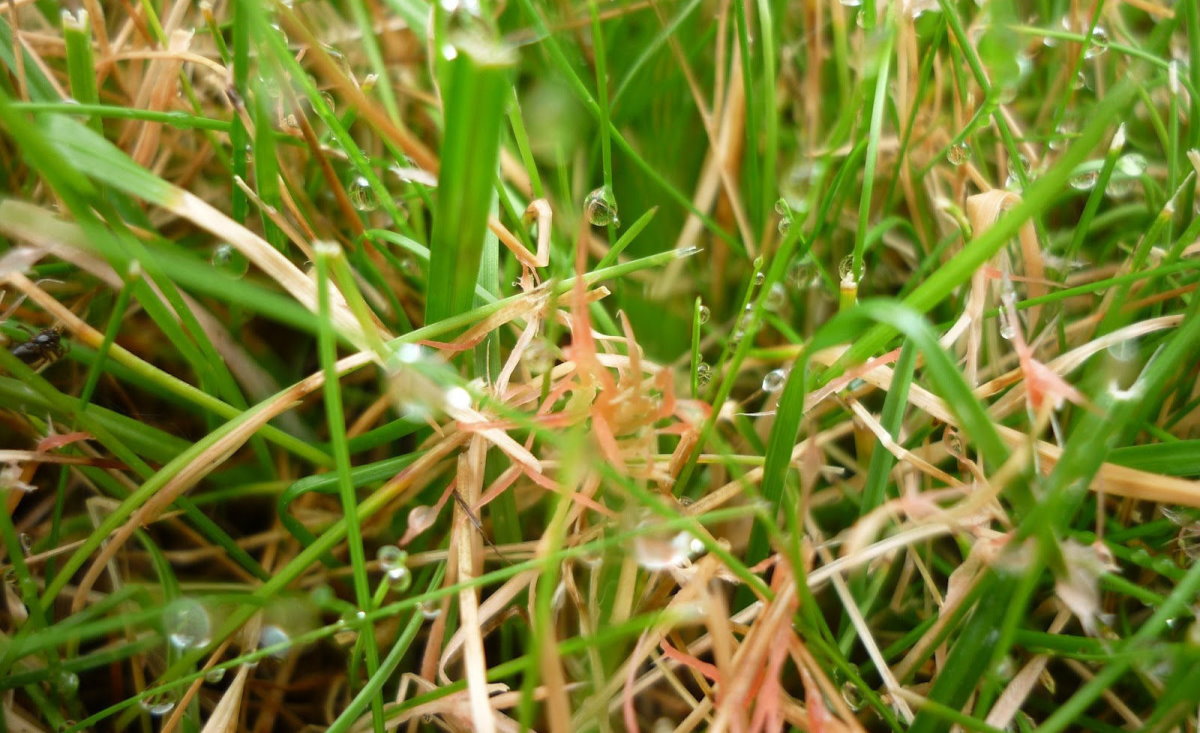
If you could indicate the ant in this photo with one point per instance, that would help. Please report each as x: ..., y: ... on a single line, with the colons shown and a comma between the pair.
x: 45, y: 347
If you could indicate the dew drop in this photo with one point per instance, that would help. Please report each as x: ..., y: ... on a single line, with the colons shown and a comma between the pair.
x: 851, y: 3
x: 1007, y: 331
x: 1097, y: 44
x: 26, y: 542
x: 271, y: 635
x: 659, y: 552
x: 777, y: 297
x: 703, y: 314
x: 600, y: 208
x: 228, y: 259
x: 362, y: 197
x: 400, y: 578
x: 67, y: 682
x: 1132, y: 165
x: 799, y: 272
x: 703, y: 374
x: 846, y: 270
x: 785, y: 223
x: 187, y: 624
x: 214, y: 675
x: 394, y: 563
x: 774, y: 379
x: 408, y: 353
x: 1119, y: 188
x: 1063, y: 136
x: 429, y: 610
x: 852, y: 696
x: 958, y: 154
x: 390, y: 556
x: 782, y: 208
x: 1084, y: 181
x: 458, y: 398
x: 158, y: 705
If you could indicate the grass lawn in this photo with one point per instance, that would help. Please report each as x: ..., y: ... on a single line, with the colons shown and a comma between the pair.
x: 662, y: 365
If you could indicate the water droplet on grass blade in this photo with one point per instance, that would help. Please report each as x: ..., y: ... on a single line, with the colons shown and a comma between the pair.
x: 362, y: 196
x: 214, y: 675
x: 1097, y: 44
x: 158, y: 705
x: 777, y: 297
x: 1085, y: 180
x: 774, y: 380
x: 272, y: 635
x: 1007, y: 331
x: 458, y: 398
x: 958, y: 154
x: 1131, y: 164
x: 67, y: 682
x: 228, y: 259
x: 658, y: 552
x: 187, y: 624
x: 600, y: 208
x: 703, y: 374
x: 703, y: 314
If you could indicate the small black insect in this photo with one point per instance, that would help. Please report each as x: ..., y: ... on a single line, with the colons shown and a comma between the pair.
x: 44, y: 348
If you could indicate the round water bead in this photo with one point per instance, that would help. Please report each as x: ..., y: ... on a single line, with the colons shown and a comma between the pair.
x: 958, y: 153
x: 362, y: 196
x: 703, y: 314
x: 600, y: 208
x: 272, y: 635
x: 187, y: 624
x: 703, y: 374
x: 67, y: 682
x: 228, y: 259
x: 1131, y: 165
x: 394, y: 563
x: 1097, y: 44
x: 774, y: 380
x: 458, y: 398
x: 1084, y: 181
x: 777, y: 297
x: 846, y: 272
x: 214, y: 675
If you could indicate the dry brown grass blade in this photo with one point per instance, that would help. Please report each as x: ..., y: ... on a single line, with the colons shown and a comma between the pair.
x: 64, y: 239
x: 270, y: 260
x: 466, y: 539
x: 983, y: 210
x: 224, y: 717
x: 1111, y: 478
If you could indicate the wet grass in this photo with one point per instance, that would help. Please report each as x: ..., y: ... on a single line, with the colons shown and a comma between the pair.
x: 593, y: 366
